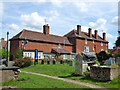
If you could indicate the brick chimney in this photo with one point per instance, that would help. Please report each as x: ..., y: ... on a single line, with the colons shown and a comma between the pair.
x: 78, y: 29
x: 90, y: 32
x: 104, y: 36
x: 96, y: 34
x: 46, y: 29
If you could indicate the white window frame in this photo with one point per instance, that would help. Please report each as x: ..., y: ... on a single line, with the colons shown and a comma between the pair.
x: 101, y: 43
x: 39, y: 55
x: 30, y: 55
x: 65, y: 56
x: 72, y: 56
x: 101, y: 49
x: 86, y: 48
x: 85, y: 41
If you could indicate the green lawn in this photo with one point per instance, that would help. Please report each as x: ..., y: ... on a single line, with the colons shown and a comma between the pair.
x: 26, y: 80
x: 66, y: 71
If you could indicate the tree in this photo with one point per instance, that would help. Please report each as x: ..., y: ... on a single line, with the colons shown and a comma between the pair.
x: 102, y: 57
x: 18, y: 53
x: 118, y: 42
x: 3, y: 52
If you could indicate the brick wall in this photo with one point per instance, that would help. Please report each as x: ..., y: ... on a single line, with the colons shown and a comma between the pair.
x: 45, y: 47
x: 80, y: 43
x: 14, y: 44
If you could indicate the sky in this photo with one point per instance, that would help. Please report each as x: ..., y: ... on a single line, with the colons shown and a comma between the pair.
x: 62, y: 16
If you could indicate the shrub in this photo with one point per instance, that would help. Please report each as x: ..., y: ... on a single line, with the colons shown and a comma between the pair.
x: 23, y: 62
x: 117, y: 55
x: 18, y: 53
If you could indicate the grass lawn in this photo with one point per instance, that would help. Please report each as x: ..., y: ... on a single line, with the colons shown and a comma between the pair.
x: 66, y: 71
x: 26, y: 80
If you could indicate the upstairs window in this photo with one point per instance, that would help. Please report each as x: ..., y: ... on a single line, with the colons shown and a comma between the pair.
x: 86, y: 49
x: 85, y: 41
x: 101, y: 43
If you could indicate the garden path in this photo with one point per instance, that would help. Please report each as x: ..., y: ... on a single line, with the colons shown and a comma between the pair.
x: 71, y: 81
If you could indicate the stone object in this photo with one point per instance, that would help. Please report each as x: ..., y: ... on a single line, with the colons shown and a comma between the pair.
x: 10, y: 63
x: 104, y: 73
x: 70, y: 63
x: 80, y: 67
x: 110, y: 62
x: 8, y: 73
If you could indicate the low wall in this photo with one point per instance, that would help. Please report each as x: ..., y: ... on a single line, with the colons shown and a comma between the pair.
x: 8, y: 73
x: 104, y: 73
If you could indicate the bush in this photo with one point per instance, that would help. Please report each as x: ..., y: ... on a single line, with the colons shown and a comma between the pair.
x: 23, y: 62
x: 117, y: 55
x: 18, y: 54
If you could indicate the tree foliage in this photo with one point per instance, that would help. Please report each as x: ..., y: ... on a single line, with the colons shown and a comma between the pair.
x: 3, y: 53
x: 18, y: 53
x: 102, y: 57
x: 118, y: 42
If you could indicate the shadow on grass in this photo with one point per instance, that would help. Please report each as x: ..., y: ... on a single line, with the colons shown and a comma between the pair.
x: 82, y: 78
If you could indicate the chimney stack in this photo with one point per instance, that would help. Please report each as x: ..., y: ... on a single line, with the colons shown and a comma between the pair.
x: 104, y: 36
x: 96, y: 34
x: 90, y: 32
x: 46, y: 29
x: 2, y: 39
x: 78, y: 29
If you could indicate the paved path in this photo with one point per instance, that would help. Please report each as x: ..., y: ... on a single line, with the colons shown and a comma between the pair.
x: 71, y: 81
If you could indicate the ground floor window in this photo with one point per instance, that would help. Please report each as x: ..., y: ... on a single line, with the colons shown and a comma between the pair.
x: 39, y: 55
x: 86, y: 49
x: 72, y: 56
x: 28, y: 54
x: 65, y: 56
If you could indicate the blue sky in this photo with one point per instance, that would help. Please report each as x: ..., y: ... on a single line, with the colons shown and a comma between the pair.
x: 61, y: 16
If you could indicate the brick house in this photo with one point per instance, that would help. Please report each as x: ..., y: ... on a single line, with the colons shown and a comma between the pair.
x: 3, y: 43
x: 66, y: 46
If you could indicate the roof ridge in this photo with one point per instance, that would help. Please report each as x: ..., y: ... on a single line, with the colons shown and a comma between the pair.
x: 43, y: 33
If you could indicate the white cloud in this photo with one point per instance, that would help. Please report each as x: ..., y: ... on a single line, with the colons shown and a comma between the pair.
x: 53, y: 15
x: 0, y: 24
x: 111, y: 38
x: 115, y: 21
x: 1, y: 9
x: 99, y: 24
x: 13, y: 27
x: 33, y: 20
x: 82, y: 6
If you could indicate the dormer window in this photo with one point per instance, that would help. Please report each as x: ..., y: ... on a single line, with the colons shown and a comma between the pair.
x: 85, y: 41
x: 101, y: 43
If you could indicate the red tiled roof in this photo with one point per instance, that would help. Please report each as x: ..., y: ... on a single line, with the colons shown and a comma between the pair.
x: 73, y: 33
x: 114, y: 50
x: 33, y: 35
x: 61, y: 50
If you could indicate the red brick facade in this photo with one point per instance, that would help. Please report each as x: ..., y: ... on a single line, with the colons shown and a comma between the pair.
x: 73, y: 42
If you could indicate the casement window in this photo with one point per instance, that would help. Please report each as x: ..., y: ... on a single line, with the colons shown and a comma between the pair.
x: 93, y: 49
x: 93, y: 41
x: 39, y: 55
x: 72, y: 56
x: 85, y: 41
x: 86, y: 49
x: 119, y: 47
x: 27, y: 54
x: 101, y: 43
x: 65, y: 56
